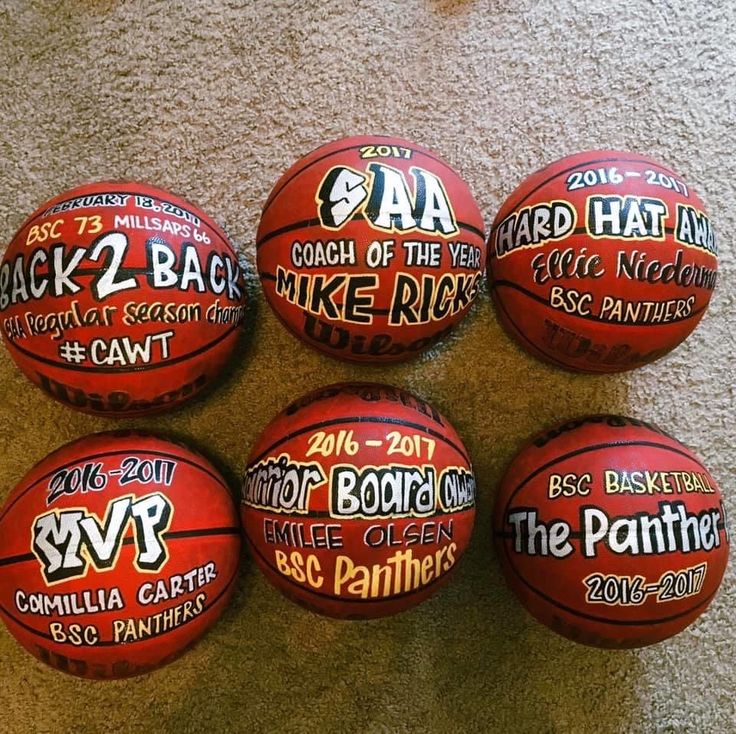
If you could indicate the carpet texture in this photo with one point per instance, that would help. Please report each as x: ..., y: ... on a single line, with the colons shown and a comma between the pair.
x: 214, y: 99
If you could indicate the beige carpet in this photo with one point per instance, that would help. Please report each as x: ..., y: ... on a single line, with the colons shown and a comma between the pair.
x: 213, y: 99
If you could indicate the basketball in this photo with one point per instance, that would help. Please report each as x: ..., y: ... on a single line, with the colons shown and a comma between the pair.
x: 358, y: 501
x: 117, y: 552
x: 119, y: 298
x: 370, y: 249
x: 602, y: 261
x: 610, y: 532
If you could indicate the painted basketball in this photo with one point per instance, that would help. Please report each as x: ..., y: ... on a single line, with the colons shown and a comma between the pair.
x: 358, y: 501
x: 120, y: 298
x: 610, y: 532
x: 370, y: 249
x: 602, y: 261
x: 117, y: 552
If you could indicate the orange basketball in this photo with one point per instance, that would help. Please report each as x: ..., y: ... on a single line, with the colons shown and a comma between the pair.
x: 117, y: 552
x: 120, y: 298
x: 602, y: 261
x: 370, y: 249
x: 610, y: 532
x: 358, y: 501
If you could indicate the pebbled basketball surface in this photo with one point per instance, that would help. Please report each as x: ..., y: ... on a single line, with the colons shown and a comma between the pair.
x: 214, y: 102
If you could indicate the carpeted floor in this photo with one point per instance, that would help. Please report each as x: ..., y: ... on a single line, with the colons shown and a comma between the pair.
x: 214, y: 99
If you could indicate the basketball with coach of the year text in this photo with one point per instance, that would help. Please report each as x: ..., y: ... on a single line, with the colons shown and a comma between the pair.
x: 370, y: 249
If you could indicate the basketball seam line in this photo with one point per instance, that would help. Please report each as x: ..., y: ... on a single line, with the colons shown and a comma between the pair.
x: 580, y: 534
x: 361, y: 419
x: 112, y: 643
x: 325, y: 514
x: 202, y: 216
x: 274, y: 194
x: 606, y: 620
x: 123, y: 370
x: 339, y: 599
x: 117, y: 452
x: 537, y: 350
x: 599, y: 447
x: 367, y: 309
x: 173, y: 535
x: 355, y: 218
x: 602, y: 447
x: 540, y: 299
x: 573, y: 168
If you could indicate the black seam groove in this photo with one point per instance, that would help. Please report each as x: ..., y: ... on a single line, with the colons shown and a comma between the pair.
x: 118, y: 452
x: 539, y: 299
x: 132, y: 368
x: 306, y: 223
x: 274, y: 194
x: 582, y: 165
x: 362, y: 419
